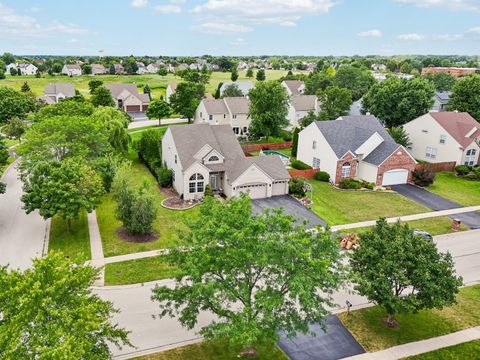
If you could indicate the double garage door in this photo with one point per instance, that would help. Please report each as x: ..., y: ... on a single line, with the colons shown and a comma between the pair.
x: 255, y: 191
x: 395, y: 177
x: 132, y: 108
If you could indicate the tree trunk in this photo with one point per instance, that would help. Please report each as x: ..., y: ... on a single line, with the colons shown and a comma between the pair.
x: 159, y: 121
x: 390, y: 321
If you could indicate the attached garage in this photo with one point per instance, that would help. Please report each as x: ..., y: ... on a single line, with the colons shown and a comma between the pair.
x: 132, y: 108
x: 395, y: 177
x: 280, y: 187
x: 255, y: 191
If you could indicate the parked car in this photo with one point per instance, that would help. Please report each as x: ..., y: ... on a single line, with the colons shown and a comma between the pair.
x: 423, y: 234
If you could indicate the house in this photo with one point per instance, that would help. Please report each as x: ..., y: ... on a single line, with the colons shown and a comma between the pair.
x: 379, y: 67
x: 98, y: 69
x: 356, y: 147
x: 119, y: 69
x: 72, y: 70
x: 201, y: 155
x: 294, y: 87
x: 231, y: 111
x: 440, y: 101
x: 171, y: 89
x: 299, y: 106
x: 141, y: 68
x: 57, y: 92
x: 242, y: 65
x: 243, y: 86
x: 454, y: 71
x: 22, y: 68
x: 153, y: 68
x: 447, y: 136
x: 128, y: 98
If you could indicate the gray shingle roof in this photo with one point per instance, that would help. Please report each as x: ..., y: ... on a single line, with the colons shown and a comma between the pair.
x: 66, y: 89
x: 244, y: 86
x: 443, y: 96
x: 294, y: 85
x: 348, y: 133
x: 216, y: 106
x: 303, y: 102
x: 116, y: 90
x: 237, y: 105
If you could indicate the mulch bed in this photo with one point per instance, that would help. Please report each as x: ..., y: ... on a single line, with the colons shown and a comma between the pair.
x: 177, y: 203
x: 168, y: 192
x: 137, y: 238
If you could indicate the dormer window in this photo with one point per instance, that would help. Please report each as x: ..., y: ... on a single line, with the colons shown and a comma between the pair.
x: 210, y: 117
x: 213, y: 158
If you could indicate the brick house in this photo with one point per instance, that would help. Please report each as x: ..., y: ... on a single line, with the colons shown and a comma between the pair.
x: 356, y: 147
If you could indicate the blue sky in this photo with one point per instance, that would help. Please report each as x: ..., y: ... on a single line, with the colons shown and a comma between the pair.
x: 240, y: 27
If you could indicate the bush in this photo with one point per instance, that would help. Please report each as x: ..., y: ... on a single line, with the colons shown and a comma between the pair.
x: 286, y: 135
x: 367, y: 185
x: 165, y: 176
x: 208, y: 191
x: 299, y: 165
x: 149, y: 147
x: 474, y: 175
x: 295, y: 187
x: 322, y: 176
x: 349, y: 184
x: 462, y: 170
x: 423, y: 177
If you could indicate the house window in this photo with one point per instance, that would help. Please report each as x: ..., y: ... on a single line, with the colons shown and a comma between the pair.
x: 425, y: 131
x: 224, y: 116
x: 234, y: 116
x: 470, y: 157
x: 175, y: 158
x: 245, y: 130
x: 210, y: 117
x: 431, y: 152
x: 314, y: 145
x: 236, y: 130
x: 316, y: 163
x: 195, y: 183
x: 213, y: 158
x: 443, y: 139
x: 346, y: 170
x: 201, y: 115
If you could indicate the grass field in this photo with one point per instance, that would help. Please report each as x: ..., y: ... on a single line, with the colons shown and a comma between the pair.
x: 464, y: 192
x: 366, y: 327
x: 468, y: 350
x: 157, y: 83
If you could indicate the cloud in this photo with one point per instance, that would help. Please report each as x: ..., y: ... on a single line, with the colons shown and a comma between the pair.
x: 34, y: 9
x: 474, y: 30
x: 72, y: 41
x: 177, y: 1
x: 449, y: 37
x: 288, y: 23
x: 457, y: 5
x: 168, y: 9
x: 411, y: 37
x: 238, y: 42
x: 221, y: 28
x: 370, y: 33
x: 139, y: 3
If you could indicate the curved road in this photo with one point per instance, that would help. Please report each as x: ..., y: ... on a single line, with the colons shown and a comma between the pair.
x: 22, y: 236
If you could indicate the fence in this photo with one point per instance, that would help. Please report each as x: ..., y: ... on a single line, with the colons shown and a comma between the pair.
x: 247, y: 148
x: 437, y: 167
x: 307, y: 174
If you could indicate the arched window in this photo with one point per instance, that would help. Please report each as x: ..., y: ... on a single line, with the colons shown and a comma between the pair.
x: 195, y: 184
x: 346, y: 170
x: 213, y: 158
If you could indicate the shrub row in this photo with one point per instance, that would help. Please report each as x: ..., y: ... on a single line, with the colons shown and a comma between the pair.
x: 468, y: 172
x: 299, y: 165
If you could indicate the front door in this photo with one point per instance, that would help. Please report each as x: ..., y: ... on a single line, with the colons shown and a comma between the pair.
x: 213, y: 182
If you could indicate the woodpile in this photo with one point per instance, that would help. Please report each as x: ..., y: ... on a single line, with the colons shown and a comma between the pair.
x: 349, y: 241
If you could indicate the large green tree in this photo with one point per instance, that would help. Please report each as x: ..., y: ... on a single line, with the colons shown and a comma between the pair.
x: 14, y: 103
x: 15, y: 128
x: 398, y: 101
x: 50, y: 312
x: 101, y: 96
x: 441, y: 81
x: 94, y: 84
x: 402, y: 272
x: 261, y: 75
x: 234, y: 74
x: 232, y: 90
x: 3, y: 160
x: 67, y: 108
x: 159, y: 109
x: 358, y: 81
x: 186, y: 99
x: 259, y: 274
x: 268, y: 109
x: 466, y: 96
x: 317, y: 81
x: 334, y: 102
x: 116, y: 123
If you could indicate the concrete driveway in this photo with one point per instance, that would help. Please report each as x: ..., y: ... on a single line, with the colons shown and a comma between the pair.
x: 291, y: 206
x: 335, y: 343
x: 436, y: 202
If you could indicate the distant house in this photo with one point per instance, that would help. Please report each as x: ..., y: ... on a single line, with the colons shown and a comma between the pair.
x: 242, y: 65
x: 153, y: 68
x: 231, y: 111
x: 294, y: 87
x: 128, y: 98
x: 181, y: 67
x: 441, y: 100
x: 447, y: 136
x: 22, y: 68
x: 119, y: 69
x: 72, y: 70
x: 378, y: 67
x: 142, y: 69
x: 243, y: 86
x: 355, y: 147
x: 57, y: 92
x: 299, y: 106
x: 171, y: 89
x: 201, y: 155
x: 98, y: 69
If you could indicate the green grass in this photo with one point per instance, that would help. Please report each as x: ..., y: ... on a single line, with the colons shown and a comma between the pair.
x: 464, y: 192
x: 74, y: 244
x: 136, y: 135
x: 366, y: 327
x: 4, y: 167
x: 468, y: 350
x: 10, y: 142
x: 138, y: 271
x: 209, y: 350
x: 343, y: 207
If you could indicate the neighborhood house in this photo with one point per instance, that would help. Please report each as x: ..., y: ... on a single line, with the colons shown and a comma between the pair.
x: 22, y: 68
x: 72, y: 70
x: 171, y: 89
x: 356, y: 147
x: 299, y: 106
x: 201, y: 155
x: 128, y: 98
x: 57, y: 92
x: 294, y: 87
x: 440, y: 101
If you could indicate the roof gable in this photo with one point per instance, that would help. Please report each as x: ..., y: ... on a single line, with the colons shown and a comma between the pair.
x: 459, y: 125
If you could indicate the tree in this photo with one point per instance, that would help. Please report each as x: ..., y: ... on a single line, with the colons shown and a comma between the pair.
x: 2, y: 74
x: 147, y: 90
x: 158, y: 109
x: 194, y: 76
x: 398, y: 101
x: 65, y: 107
x: 3, y: 160
x: 102, y: 97
x: 402, y: 272
x: 296, y: 131
x: 268, y: 109
x: 61, y: 187
x: 466, y: 96
x: 317, y: 81
x: 14, y: 103
x: 13, y: 71
x: 358, y: 81
x: 15, y: 128
x: 116, y: 123
x: 93, y: 85
x: 234, y: 75
x: 186, y: 99
x: 311, y: 117
x: 149, y: 147
x: 162, y: 71
x: 8, y: 58
x: 86, y: 69
x: 334, y: 102
x: 25, y: 88
x: 62, y: 318
x: 392, y: 65
x: 400, y: 136
x: 232, y: 90
x: 111, y: 70
x: 258, y: 274
x: 249, y: 73
x: 441, y: 81
x: 261, y: 75
x: 57, y: 68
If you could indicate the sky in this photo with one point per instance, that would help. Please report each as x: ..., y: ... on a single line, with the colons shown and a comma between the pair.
x: 240, y: 27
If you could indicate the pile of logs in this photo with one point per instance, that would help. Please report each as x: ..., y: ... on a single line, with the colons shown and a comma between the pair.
x: 349, y: 241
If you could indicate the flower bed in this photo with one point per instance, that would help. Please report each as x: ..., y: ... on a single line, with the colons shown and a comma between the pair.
x: 176, y: 203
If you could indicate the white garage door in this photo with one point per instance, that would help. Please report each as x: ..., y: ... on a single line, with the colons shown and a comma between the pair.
x: 279, y: 188
x: 394, y: 177
x: 255, y: 191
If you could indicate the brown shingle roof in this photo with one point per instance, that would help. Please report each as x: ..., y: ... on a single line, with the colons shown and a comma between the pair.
x: 293, y: 85
x: 216, y: 106
x: 66, y: 89
x: 303, y: 102
x: 237, y: 105
x: 458, y: 125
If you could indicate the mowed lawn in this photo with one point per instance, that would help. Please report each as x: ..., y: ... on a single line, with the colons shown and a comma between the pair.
x: 464, y: 192
x: 343, y: 207
x: 468, y: 350
x: 366, y: 327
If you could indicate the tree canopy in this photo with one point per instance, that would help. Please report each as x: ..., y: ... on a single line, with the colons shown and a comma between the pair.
x: 441, y: 81
x: 317, y: 81
x: 334, y: 102
x: 66, y: 107
x: 466, y: 96
x: 116, y: 123
x: 358, y: 81
x: 232, y: 90
x: 186, y: 99
x: 159, y: 109
x: 14, y: 104
x: 261, y: 75
x: 101, y: 96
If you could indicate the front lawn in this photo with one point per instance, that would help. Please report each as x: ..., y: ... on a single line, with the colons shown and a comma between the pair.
x: 366, y: 327
x: 343, y: 207
x: 136, y: 134
x: 464, y: 192
x: 468, y: 350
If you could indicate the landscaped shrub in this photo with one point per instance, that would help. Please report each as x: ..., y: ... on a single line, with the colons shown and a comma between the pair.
x: 322, y: 176
x: 474, y: 175
x: 149, y: 147
x: 468, y: 172
x: 165, y: 176
x: 367, y: 185
x: 299, y: 165
x: 208, y: 190
x: 349, y: 184
x: 286, y: 135
x: 462, y: 170
x: 295, y: 187
x: 423, y: 177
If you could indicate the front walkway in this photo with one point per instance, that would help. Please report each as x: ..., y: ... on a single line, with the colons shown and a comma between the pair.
x: 96, y: 247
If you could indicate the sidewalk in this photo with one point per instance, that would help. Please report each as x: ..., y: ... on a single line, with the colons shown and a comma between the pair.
x: 96, y: 247
x: 423, y: 346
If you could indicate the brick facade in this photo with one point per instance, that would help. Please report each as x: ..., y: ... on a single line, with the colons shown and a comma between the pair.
x: 400, y: 159
x: 307, y: 174
x: 348, y: 157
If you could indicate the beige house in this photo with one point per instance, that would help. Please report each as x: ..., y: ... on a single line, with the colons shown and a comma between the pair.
x: 128, y: 98
x: 294, y: 87
x: 72, y: 70
x: 98, y: 69
x: 231, y: 111
x: 57, y: 92
x: 299, y: 106
x: 447, y: 136
x: 171, y: 89
x: 201, y: 155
